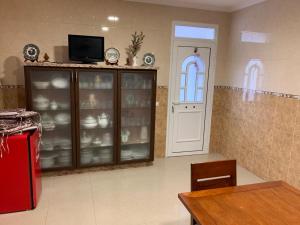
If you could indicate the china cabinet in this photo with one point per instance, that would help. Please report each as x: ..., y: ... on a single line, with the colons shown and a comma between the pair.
x: 93, y: 116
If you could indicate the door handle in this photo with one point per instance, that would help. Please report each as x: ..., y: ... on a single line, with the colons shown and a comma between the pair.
x: 172, y: 108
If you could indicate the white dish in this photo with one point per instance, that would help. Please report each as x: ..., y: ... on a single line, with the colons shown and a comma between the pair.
x: 97, y: 143
x: 63, y: 105
x: 47, y: 164
x: 126, y: 153
x: 41, y: 84
x: 41, y: 99
x: 89, y: 120
x: 62, y: 118
x: 59, y: 82
x: 90, y: 125
x: 42, y: 106
x: 64, y: 154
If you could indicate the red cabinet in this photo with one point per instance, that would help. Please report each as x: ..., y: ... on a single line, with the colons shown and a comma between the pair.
x: 20, y: 183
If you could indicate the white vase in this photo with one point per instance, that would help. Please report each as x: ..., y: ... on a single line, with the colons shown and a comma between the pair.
x: 135, y: 61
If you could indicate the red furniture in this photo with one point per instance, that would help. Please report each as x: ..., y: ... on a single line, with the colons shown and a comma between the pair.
x: 20, y: 182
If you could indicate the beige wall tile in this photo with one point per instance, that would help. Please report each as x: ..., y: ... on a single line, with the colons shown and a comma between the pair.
x: 161, y: 122
x: 263, y: 135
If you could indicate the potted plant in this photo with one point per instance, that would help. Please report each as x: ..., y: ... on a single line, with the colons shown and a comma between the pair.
x: 134, y: 48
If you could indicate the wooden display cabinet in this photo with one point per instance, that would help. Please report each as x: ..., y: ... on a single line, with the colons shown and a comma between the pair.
x: 93, y: 116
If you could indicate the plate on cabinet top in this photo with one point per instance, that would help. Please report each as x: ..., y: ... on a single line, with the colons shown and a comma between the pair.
x: 149, y: 59
x: 112, y: 55
x: 31, y: 52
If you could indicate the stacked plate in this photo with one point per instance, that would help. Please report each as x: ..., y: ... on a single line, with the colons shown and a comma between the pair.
x: 62, y: 119
x: 64, y: 158
x: 47, y: 144
x: 89, y: 122
x: 41, y: 102
x: 48, y: 159
x: 63, y: 143
x: 60, y: 82
x: 141, y: 152
x: 86, y: 156
x: 47, y: 122
x: 41, y: 84
x: 103, y: 156
x: 126, y: 154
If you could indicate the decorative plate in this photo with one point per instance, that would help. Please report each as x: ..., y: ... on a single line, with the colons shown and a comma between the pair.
x: 149, y: 59
x: 112, y: 56
x: 31, y: 52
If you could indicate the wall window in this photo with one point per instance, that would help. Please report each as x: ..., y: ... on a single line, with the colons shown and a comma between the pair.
x: 194, y: 32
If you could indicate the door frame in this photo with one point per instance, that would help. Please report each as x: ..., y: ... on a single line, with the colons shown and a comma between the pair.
x: 212, y: 44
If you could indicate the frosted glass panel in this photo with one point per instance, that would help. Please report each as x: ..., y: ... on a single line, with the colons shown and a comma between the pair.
x: 193, y: 59
x: 195, y: 32
x: 191, y: 84
x: 182, y: 82
x: 199, y: 97
x: 201, y: 80
x: 181, y: 98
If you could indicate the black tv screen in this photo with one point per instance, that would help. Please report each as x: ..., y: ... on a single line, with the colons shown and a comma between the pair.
x: 86, y: 49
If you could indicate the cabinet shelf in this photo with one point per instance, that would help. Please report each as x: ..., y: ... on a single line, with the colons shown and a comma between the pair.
x: 100, y: 109
x: 96, y: 89
x: 135, y: 143
x: 94, y: 147
x: 51, y: 89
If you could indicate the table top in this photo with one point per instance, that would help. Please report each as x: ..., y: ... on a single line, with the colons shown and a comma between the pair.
x: 270, y: 203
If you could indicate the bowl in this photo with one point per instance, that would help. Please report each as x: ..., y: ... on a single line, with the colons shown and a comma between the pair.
x: 90, y: 125
x: 41, y: 84
x: 59, y: 82
x: 62, y: 118
x: 41, y: 106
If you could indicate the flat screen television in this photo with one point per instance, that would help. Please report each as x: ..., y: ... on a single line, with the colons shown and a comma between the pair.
x: 86, y: 49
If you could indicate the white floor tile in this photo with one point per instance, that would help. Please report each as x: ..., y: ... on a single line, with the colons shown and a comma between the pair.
x: 133, y: 196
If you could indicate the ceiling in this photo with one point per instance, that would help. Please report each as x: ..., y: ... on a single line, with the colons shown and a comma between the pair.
x: 218, y: 5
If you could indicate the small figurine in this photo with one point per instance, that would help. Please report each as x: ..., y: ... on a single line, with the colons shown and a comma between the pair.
x: 46, y: 57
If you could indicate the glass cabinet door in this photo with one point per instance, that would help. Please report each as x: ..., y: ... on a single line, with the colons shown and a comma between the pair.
x: 96, y: 114
x: 51, y: 97
x: 136, y: 102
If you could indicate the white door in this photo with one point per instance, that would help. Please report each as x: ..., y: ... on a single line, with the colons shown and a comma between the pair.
x: 189, y: 98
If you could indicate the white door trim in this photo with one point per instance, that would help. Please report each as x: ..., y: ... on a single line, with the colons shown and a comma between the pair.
x: 212, y: 44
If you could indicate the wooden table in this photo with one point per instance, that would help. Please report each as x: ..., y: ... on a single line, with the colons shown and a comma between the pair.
x: 271, y: 203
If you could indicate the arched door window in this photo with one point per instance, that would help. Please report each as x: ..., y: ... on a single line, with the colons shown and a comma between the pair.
x: 192, y: 80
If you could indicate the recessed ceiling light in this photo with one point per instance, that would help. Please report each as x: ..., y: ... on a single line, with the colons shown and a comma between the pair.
x: 113, y: 18
x: 105, y: 28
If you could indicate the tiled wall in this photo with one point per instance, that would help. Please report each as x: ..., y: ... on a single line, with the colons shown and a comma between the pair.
x: 14, y: 97
x: 263, y: 134
x: 161, y: 121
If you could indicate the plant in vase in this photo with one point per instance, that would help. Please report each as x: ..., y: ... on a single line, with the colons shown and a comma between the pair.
x: 134, y: 48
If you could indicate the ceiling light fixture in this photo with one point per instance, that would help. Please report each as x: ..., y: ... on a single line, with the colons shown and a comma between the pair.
x: 113, y: 18
x: 105, y: 29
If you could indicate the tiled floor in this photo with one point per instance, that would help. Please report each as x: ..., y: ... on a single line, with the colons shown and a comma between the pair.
x: 134, y: 196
